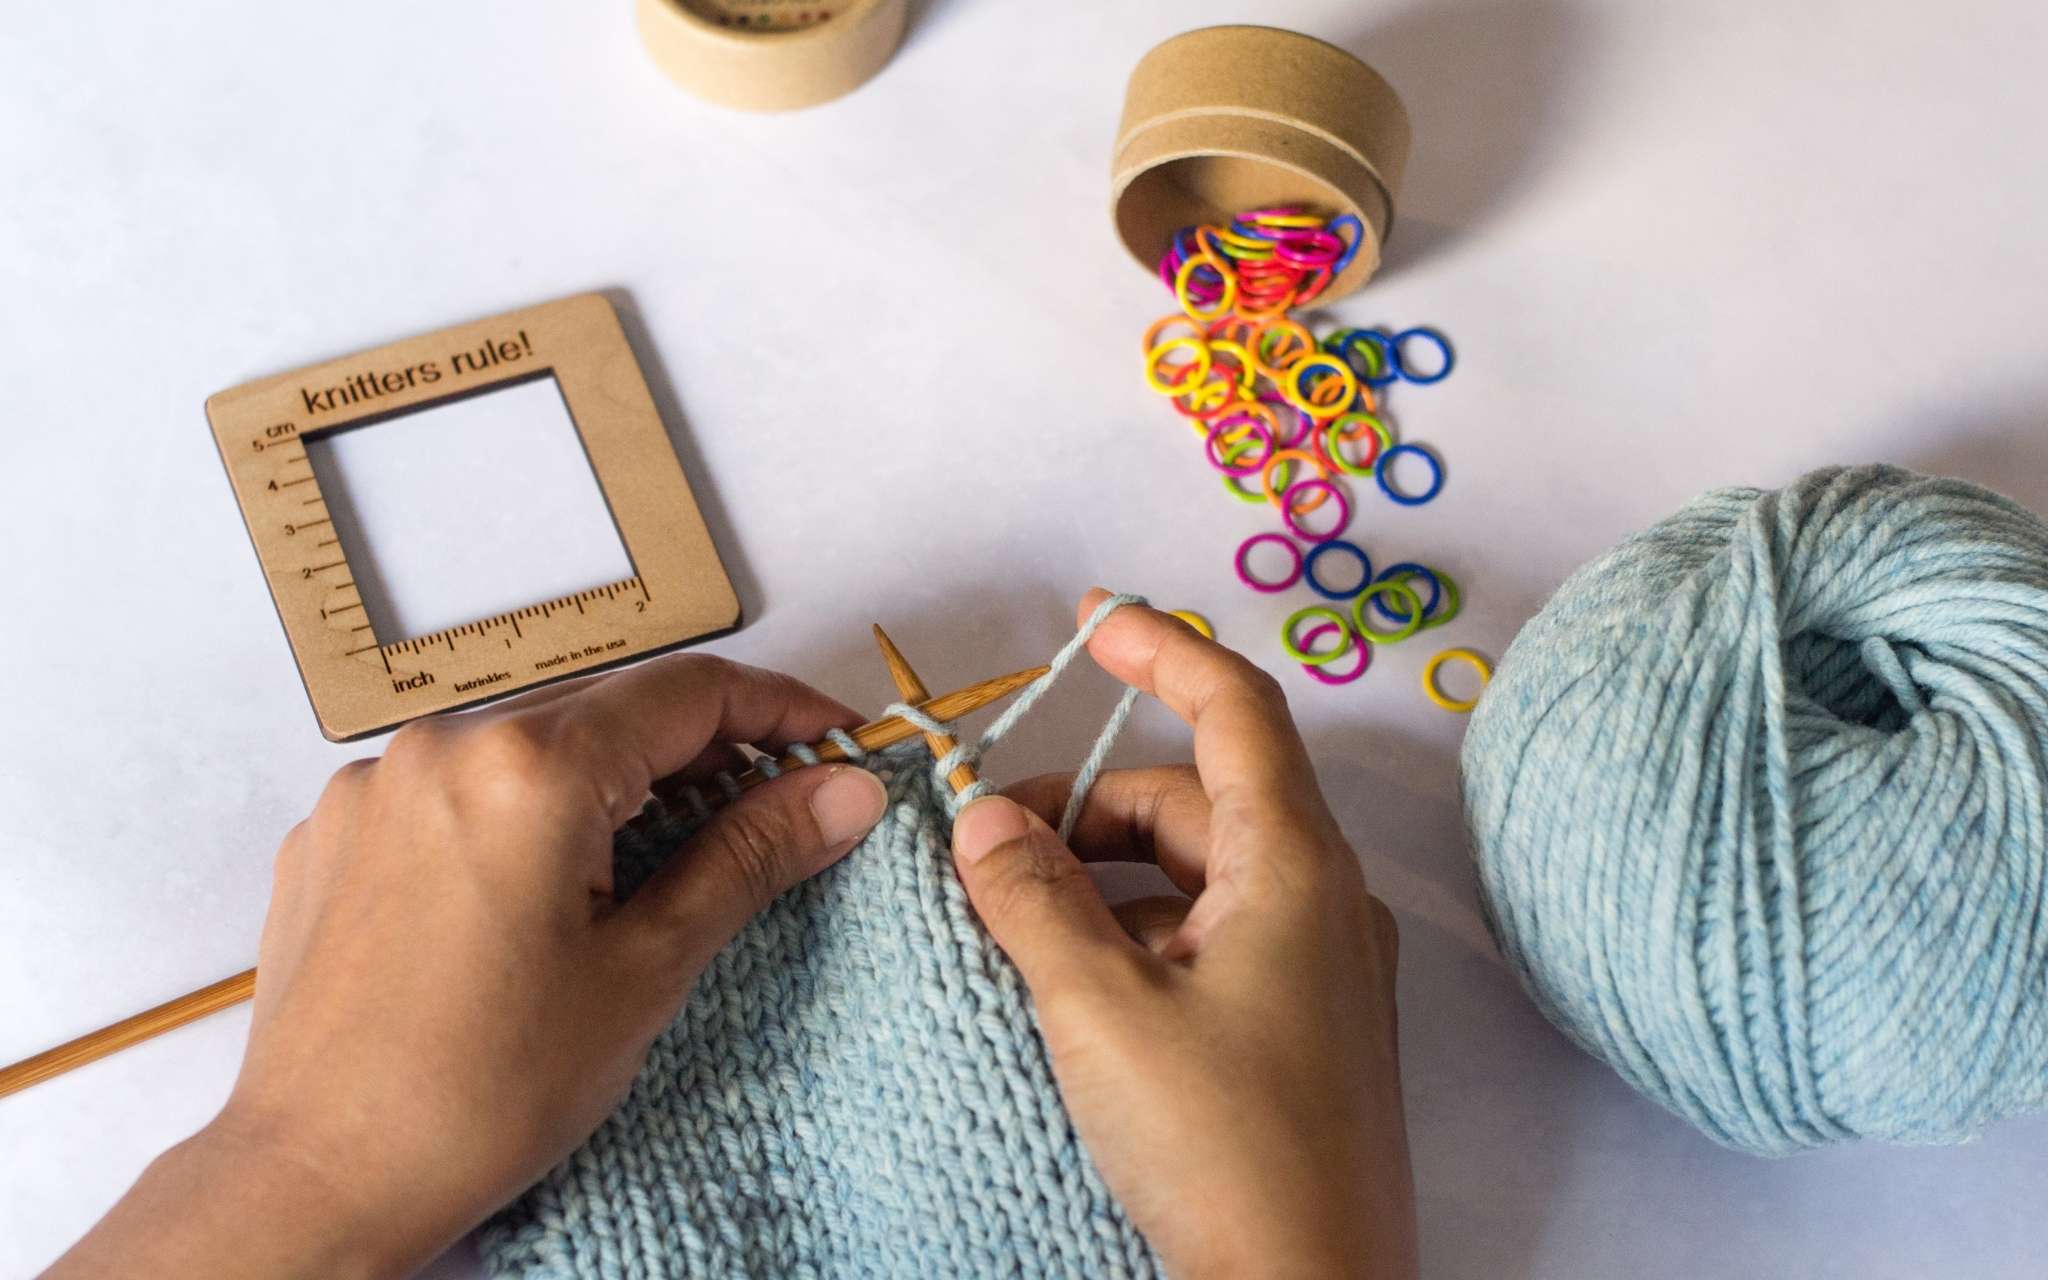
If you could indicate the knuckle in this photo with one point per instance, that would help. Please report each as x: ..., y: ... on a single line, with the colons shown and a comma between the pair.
x: 344, y: 784
x: 706, y: 668
x: 1183, y: 777
x: 754, y: 847
x: 1030, y: 872
x: 1178, y: 784
x: 515, y: 760
x: 512, y: 742
x: 416, y: 741
x: 1236, y: 678
x: 290, y: 851
x: 1263, y: 688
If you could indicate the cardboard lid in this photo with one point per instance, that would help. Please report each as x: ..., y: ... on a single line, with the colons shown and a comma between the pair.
x: 1225, y: 119
x: 771, y: 55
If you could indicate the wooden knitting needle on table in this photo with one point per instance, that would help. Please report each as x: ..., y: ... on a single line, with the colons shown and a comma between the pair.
x: 134, y: 1030
x: 913, y: 691
x: 872, y: 736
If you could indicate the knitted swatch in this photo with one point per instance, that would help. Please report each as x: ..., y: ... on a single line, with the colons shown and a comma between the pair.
x: 856, y: 1087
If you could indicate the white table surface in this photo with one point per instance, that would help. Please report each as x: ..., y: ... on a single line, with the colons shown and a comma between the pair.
x: 1678, y: 245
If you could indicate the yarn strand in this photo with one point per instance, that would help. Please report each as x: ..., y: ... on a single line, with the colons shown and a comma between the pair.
x: 1027, y: 698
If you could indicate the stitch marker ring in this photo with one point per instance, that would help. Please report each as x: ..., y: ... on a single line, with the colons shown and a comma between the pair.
x: 1385, y: 464
x: 1413, y: 612
x: 1401, y: 573
x: 1231, y: 453
x: 1251, y: 428
x: 1192, y: 372
x: 1308, y: 569
x: 1443, y: 347
x: 1438, y: 696
x: 1303, y: 656
x: 1244, y: 574
x: 1334, y: 435
x: 1316, y: 669
x: 1382, y: 347
x: 1290, y: 516
x: 1195, y: 620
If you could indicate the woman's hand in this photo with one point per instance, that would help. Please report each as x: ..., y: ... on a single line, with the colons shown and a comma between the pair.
x: 1229, y: 1061
x: 449, y: 997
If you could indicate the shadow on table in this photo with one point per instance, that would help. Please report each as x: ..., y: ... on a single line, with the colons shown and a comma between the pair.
x: 922, y: 17
x: 1490, y: 1087
x: 1486, y: 83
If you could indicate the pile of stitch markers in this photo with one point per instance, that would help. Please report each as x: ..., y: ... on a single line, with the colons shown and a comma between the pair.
x: 1289, y: 420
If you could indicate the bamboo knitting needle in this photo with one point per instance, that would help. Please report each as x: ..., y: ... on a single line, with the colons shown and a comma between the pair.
x: 872, y: 736
x: 890, y: 730
x: 150, y: 1022
x: 913, y: 691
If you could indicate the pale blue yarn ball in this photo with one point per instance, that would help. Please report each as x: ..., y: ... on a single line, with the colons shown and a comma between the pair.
x: 1759, y: 803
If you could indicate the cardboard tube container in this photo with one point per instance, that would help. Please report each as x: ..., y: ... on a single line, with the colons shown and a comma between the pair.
x: 1225, y: 119
x: 771, y: 55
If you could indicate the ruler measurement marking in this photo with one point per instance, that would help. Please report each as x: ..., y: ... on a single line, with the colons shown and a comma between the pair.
x: 301, y: 480
x: 419, y: 646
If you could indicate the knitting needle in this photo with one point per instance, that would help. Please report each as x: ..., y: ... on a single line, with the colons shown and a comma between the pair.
x: 913, y: 691
x: 872, y: 736
x: 150, y: 1022
x: 890, y: 730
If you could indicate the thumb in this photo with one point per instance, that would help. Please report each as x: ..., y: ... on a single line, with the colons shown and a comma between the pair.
x: 1035, y: 897
x: 747, y: 854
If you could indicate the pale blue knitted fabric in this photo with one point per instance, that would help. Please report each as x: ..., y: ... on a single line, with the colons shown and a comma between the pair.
x: 855, y: 1088
x: 1760, y: 808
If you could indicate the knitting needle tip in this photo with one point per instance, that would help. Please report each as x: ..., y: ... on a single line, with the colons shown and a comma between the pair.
x: 912, y: 690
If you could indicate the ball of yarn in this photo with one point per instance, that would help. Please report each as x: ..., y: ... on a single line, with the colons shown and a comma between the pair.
x: 1759, y: 803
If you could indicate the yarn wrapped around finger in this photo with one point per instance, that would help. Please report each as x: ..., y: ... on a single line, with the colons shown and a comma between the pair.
x: 1759, y: 803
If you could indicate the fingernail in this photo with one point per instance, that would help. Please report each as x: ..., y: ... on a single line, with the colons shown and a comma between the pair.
x: 986, y: 823
x: 848, y: 804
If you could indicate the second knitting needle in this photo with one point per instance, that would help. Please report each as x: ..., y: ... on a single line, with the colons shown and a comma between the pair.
x: 913, y: 691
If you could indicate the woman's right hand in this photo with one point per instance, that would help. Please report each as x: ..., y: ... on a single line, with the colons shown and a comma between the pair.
x: 1229, y: 1058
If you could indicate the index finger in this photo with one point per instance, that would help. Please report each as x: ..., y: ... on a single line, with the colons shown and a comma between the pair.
x: 1251, y: 759
x: 649, y: 721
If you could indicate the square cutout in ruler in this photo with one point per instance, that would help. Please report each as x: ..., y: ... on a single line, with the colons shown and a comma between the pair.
x: 360, y: 682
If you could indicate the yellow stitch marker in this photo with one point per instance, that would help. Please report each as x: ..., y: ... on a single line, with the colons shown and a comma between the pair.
x: 1437, y: 696
x: 1197, y: 366
x: 1195, y: 620
x: 1224, y: 306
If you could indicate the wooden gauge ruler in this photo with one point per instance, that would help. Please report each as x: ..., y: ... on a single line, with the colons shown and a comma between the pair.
x: 359, y: 682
